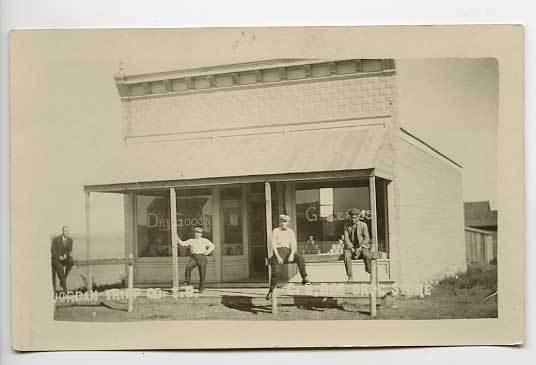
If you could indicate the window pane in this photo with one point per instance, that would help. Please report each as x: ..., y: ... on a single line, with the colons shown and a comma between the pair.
x: 194, y: 209
x: 321, y: 213
x: 154, y: 238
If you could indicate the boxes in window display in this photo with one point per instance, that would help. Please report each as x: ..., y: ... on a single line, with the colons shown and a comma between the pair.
x: 311, y: 247
x: 337, y: 248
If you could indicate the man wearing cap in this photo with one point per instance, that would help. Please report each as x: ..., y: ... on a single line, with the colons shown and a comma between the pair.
x: 356, y: 243
x: 200, y: 248
x: 284, y: 252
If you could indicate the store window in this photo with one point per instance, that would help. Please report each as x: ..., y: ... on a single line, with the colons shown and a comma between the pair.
x: 153, y: 229
x: 322, y: 212
x: 233, y: 241
x: 194, y: 209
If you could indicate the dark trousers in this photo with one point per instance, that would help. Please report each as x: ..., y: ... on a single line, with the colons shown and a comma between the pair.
x: 363, y: 254
x: 277, y: 267
x: 61, y: 269
x: 201, y: 262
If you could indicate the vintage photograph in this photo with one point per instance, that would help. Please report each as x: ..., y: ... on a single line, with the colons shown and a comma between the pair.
x: 219, y: 185
x: 290, y: 189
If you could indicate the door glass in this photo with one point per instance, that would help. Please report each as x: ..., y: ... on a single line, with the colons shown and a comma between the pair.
x: 233, y: 244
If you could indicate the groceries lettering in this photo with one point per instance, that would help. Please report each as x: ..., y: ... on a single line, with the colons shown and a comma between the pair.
x: 311, y: 214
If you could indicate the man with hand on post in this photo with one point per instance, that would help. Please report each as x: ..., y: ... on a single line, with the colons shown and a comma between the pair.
x: 200, y: 248
x: 356, y: 243
x: 284, y: 252
x: 61, y: 259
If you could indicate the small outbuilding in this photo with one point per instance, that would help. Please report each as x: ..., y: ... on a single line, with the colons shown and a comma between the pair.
x: 480, y: 233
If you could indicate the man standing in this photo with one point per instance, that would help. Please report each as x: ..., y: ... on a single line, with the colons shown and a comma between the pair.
x: 284, y: 252
x: 356, y: 243
x: 61, y: 259
x: 200, y: 248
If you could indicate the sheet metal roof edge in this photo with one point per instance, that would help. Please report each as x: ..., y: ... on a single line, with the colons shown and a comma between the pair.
x: 430, y: 147
x: 210, y: 181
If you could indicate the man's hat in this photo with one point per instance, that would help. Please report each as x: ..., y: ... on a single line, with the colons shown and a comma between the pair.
x: 354, y: 211
x: 284, y: 217
x: 198, y: 229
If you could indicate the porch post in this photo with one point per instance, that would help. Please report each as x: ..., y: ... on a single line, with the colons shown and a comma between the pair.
x: 129, y: 227
x: 268, y: 198
x: 374, y: 250
x: 173, y: 226
x: 88, y: 244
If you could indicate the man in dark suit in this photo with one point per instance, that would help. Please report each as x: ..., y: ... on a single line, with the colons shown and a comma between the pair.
x: 61, y: 259
x: 356, y: 243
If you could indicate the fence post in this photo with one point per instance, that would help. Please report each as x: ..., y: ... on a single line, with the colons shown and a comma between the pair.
x: 130, y: 289
x: 274, y: 301
x: 373, y: 287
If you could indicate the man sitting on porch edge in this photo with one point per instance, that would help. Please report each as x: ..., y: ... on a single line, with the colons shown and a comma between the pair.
x: 284, y: 252
x: 356, y: 243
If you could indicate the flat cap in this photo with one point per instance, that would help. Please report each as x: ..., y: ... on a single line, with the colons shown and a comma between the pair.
x: 354, y: 211
x: 284, y: 217
x: 198, y: 229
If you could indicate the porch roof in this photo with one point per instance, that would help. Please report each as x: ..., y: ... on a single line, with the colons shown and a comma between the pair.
x: 293, y: 152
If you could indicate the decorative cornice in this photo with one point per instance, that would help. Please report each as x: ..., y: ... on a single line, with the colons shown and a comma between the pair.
x: 252, y: 74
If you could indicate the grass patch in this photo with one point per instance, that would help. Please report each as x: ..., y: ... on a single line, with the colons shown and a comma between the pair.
x: 476, y: 277
x: 120, y: 284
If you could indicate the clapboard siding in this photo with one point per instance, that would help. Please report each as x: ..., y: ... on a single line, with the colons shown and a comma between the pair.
x: 481, y: 246
x: 431, y: 215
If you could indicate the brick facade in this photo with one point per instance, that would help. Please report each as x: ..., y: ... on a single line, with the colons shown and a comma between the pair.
x: 261, y: 105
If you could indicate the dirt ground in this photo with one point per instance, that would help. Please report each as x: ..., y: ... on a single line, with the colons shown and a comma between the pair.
x: 441, y: 305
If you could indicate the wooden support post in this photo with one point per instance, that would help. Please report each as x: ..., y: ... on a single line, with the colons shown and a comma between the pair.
x: 129, y: 226
x: 130, y: 290
x: 374, y: 250
x: 274, y: 301
x: 173, y: 226
x: 268, y: 198
x: 88, y: 244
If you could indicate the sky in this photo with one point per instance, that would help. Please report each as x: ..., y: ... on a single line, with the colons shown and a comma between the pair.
x: 452, y: 104
x: 70, y: 116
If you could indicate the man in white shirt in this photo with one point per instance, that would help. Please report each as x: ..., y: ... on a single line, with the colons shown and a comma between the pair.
x: 284, y: 252
x: 200, y: 248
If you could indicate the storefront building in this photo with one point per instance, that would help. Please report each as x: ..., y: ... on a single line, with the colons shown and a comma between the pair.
x: 231, y: 147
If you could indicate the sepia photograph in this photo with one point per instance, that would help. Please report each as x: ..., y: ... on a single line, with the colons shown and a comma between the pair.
x: 194, y: 176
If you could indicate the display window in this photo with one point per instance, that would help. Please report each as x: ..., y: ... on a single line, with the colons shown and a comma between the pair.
x: 322, y: 211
